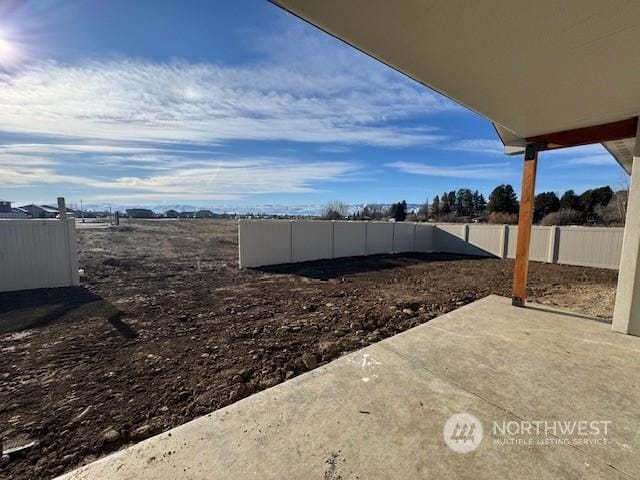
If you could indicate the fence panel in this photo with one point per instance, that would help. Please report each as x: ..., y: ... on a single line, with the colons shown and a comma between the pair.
x: 590, y: 246
x: 487, y: 239
x: 540, y: 239
x: 404, y: 237
x: 264, y: 242
x: 379, y: 237
x: 37, y: 254
x: 13, y: 216
x: 424, y: 238
x: 349, y: 239
x: 539, y: 246
x: 452, y: 238
x: 311, y: 240
x: 512, y: 241
x: 449, y: 238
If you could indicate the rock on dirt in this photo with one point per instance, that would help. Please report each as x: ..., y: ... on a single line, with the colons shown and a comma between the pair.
x: 110, y: 435
x: 310, y: 361
x: 143, y: 432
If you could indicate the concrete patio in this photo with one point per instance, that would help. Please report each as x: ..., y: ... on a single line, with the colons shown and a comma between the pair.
x: 379, y: 413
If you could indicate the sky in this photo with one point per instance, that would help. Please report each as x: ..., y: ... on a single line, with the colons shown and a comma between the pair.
x: 237, y: 103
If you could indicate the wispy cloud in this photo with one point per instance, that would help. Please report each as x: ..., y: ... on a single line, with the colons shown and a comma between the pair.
x: 131, y: 129
x: 139, y: 101
x: 476, y: 145
x: 476, y: 170
x: 210, y: 179
x: 603, y: 159
x: 53, y: 148
x: 588, y: 155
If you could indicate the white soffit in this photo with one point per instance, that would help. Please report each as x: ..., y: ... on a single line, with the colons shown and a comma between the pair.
x: 531, y: 67
x: 622, y: 150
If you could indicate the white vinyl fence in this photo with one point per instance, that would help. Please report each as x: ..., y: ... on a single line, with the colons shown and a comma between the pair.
x: 271, y: 242
x: 13, y: 215
x: 37, y: 254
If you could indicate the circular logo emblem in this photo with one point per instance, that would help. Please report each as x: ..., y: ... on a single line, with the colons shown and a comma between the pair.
x: 462, y: 432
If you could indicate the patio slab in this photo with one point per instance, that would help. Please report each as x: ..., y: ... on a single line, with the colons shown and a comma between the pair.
x: 379, y: 413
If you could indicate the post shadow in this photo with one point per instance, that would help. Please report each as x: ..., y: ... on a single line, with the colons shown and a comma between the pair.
x: 34, y: 309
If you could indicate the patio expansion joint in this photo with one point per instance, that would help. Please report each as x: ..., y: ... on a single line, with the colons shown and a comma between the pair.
x: 411, y: 360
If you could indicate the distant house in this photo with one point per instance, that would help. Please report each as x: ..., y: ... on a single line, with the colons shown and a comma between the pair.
x: 187, y: 214
x: 70, y: 211
x: 40, y: 211
x: 11, y: 213
x: 171, y: 214
x: 140, y: 213
x: 204, y: 214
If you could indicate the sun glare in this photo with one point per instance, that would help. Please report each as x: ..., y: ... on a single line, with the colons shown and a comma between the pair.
x: 8, y: 51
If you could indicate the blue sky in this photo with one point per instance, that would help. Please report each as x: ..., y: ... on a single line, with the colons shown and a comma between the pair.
x: 232, y: 103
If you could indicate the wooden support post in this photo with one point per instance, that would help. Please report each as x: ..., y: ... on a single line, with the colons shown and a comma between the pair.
x: 525, y: 219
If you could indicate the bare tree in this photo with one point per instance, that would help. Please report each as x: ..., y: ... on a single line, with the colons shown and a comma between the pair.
x: 615, y: 212
x: 335, y: 210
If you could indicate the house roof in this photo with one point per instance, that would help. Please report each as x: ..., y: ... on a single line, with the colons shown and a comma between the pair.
x: 46, y: 208
x: 532, y: 68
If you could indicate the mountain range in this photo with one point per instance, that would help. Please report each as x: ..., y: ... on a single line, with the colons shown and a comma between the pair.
x: 257, y: 209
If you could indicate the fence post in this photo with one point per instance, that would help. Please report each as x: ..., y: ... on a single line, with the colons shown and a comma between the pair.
x: 62, y: 214
x: 366, y: 237
x: 393, y: 238
x: 333, y: 239
x: 240, y: 244
x: 504, y: 242
x: 62, y: 209
x: 291, y: 241
x: 415, y: 231
x: 553, y: 239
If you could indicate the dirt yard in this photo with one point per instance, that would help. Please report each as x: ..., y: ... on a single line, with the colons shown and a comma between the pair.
x: 165, y: 328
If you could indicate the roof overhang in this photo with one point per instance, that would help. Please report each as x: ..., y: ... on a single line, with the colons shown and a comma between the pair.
x: 532, y: 68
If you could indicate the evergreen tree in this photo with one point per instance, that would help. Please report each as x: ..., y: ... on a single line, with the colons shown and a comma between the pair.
x: 459, y: 203
x: 475, y: 200
x: 399, y: 211
x: 503, y: 199
x: 545, y: 203
x: 592, y: 198
x: 445, y: 206
x: 467, y: 202
x: 435, y: 207
x: 451, y: 197
x: 481, y: 206
x: 570, y: 201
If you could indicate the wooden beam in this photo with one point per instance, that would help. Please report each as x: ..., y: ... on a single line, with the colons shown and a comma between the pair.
x: 525, y: 219
x: 585, y: 136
